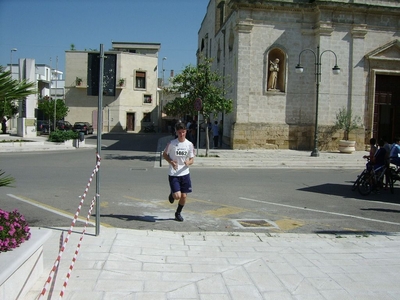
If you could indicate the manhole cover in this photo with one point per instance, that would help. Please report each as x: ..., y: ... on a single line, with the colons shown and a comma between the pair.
x: 249, y: 223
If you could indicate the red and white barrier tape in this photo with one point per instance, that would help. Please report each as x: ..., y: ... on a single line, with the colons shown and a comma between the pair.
x: 77, y: 249
x: 58, y: 259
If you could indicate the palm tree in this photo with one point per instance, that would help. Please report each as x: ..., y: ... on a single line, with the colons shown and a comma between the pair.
x: 10, y: 90
x: 5, y: 180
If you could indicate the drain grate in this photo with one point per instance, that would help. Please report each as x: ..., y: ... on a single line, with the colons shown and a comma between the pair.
x: 255, y: 223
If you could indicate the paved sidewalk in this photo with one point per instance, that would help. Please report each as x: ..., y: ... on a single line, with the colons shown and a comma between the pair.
x: 140, y: 264
x: 12, y: 143
x: 283, y: 158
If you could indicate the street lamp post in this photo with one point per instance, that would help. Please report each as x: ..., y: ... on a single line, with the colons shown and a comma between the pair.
x: 55, y: 95
x: 12, y: 50
x: 335, y: 70
x: 11, y: 72
x: 162, y: 95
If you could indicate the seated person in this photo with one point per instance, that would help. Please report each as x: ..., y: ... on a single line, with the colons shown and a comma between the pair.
x: 372, y: 149
x: 379, y: 157
x: 395, y: 152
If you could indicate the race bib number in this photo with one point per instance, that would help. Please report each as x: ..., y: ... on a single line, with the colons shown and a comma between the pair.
x: 181, y: 152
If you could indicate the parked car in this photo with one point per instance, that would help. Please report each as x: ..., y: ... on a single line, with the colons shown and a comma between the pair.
x: 83, y: 127
x: 43, y: 126
x: 64, y: 125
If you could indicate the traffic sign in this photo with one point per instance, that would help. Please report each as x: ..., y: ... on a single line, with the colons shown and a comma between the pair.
x: 198, y: 104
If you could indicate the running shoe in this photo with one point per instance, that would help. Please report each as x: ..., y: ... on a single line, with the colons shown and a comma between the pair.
x: 178, y: 217
x: 171, y: 198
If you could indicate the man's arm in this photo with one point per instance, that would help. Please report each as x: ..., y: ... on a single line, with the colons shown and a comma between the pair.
x: 165, y: 154
x: 189, y: 161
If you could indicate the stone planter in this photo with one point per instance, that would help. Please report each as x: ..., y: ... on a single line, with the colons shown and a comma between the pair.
x: 347, y: 146
x: 22, y: 267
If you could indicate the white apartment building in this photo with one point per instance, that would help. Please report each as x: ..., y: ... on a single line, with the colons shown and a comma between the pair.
x: 278, y: 109
x: 130, y: 93
x: 49, y: 82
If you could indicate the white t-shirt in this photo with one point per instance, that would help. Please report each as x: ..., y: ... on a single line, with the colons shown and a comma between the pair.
x: 179, y: 152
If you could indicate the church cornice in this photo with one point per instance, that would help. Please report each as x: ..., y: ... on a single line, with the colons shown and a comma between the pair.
x: 359, y: 31
x: 311, y: 5
x: 245, y: 26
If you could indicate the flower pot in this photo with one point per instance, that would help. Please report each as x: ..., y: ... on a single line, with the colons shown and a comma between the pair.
x: 347, y: 146
x: 23, y: 266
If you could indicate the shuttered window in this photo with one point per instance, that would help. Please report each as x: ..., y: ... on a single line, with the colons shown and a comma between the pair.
x: 140, y: 80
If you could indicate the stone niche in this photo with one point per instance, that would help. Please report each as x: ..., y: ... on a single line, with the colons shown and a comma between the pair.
x: 275, y: 70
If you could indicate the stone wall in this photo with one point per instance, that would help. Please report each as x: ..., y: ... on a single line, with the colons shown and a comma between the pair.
x: 275, y: 136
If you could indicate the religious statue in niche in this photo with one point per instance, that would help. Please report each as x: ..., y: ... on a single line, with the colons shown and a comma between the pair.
x: 273, y: 76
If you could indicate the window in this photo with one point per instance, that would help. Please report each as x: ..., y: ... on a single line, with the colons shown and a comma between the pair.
x: 147, y: 99
x: 147, y: 117
x: 140, y: 80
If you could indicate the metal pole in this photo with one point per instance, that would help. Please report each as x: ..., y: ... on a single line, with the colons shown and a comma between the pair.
x: 99, y: 131
x: 12, y: 50
x: 50, y: 102
x: 198, y: 132
x: 12, y: 117
x: 55, y: 98
x: 315, y: 152
x: 162, y: 93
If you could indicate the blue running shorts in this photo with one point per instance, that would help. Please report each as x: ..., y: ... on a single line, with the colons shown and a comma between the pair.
x: 180, y: 183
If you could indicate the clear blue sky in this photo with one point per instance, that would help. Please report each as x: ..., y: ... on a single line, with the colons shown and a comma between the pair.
x: 44, y: 29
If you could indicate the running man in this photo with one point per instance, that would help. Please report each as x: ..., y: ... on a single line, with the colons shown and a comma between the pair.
x: 179, y: 153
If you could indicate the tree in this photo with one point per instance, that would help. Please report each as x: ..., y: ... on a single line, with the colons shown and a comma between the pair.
x: 46, y: 105
x: 198, y: 82
x: 346, y: 122
x: 10, y: 90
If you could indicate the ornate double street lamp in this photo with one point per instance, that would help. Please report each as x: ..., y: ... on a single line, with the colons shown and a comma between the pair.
x: 335, y: 70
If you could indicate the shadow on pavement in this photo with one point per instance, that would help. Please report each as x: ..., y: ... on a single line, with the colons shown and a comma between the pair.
x: 346, y: 192
x: 129, y: 157
x: 349, y: 232
x: 146, y: 142
x: 150, y: 219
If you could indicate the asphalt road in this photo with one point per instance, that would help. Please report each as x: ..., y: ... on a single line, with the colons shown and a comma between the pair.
x: 133, y: 193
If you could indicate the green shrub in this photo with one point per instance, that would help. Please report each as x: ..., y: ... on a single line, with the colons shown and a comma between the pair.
x: 60, y: 136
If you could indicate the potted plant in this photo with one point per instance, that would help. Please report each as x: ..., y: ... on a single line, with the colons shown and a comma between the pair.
x: 78, y: 81
x: 347, y: 122
x: 121, y: 82
x: 15, y: 230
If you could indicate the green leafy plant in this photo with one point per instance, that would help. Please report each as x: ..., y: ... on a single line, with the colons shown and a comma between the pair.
x: 14, y: 230
x: 347, y: 122
x: 60, y: 136
x: 121, y: 81
x: 10, y: 90
x: 199, y: 82
x: 6, y: 180
x: 78, y: 81
x: 48, y: 105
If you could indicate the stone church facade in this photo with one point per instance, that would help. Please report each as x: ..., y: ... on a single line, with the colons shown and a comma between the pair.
x: 257, y: 44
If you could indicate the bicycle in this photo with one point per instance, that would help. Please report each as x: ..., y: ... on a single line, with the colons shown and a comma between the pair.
x: 358, y: 180
x: 360, y: 177
x: 395, y: 173
x: 373, y: 179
